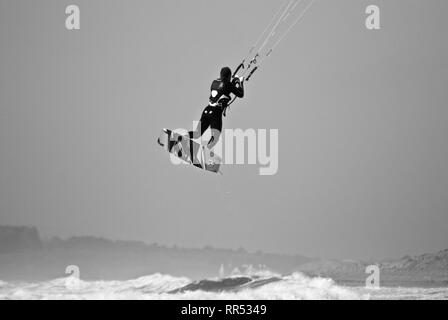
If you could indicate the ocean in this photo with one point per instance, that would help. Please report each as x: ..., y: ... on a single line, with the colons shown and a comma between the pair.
x: 267, y: 286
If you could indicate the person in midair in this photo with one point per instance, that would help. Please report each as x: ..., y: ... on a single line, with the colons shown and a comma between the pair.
x: 219, y: 100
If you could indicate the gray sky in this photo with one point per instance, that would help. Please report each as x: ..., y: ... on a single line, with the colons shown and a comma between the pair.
x: 362, y: 119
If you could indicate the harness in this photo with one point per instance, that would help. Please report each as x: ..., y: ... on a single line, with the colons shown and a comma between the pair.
x: 218, y: 95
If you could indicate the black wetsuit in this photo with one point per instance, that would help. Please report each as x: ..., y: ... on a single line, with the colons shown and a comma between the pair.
x: 220, y: 92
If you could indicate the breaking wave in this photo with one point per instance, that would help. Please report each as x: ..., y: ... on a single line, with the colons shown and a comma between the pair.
x: 159, y: 286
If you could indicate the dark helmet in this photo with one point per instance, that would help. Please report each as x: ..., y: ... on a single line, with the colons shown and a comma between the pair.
x: 226, y: 74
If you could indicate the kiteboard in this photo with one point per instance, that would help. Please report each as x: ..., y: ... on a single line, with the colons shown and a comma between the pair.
x: 189, y: 150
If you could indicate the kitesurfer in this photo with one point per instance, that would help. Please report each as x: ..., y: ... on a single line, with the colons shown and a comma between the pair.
x: 219, y: 100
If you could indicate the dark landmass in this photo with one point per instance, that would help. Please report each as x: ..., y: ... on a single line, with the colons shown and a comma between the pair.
x: 25, y: 257
x: 426, y: 270
x: 19, y: 239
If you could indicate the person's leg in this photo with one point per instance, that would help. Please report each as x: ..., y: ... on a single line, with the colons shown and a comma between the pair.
x: 203, y: 125
x: 216, y: 128
x: 197, y: 133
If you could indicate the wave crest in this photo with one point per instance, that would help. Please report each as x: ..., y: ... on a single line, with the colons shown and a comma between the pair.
x: 160, y: 286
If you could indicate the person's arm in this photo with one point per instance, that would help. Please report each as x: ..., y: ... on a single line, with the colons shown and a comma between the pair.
x: 238, y: 87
